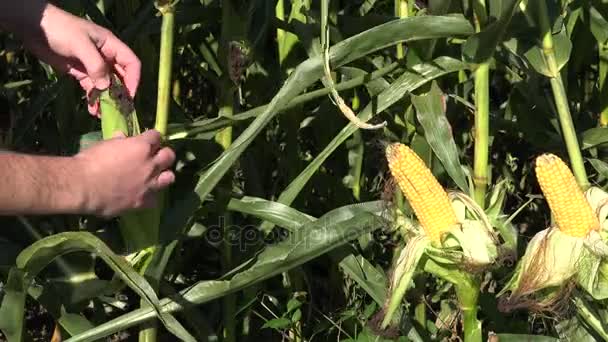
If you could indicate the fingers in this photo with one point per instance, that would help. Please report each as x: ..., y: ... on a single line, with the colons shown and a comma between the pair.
x: 164, y: 159
x: 151, y: 137
x: 94, y: 64
x: 124, y: 60
x: 163, y: 180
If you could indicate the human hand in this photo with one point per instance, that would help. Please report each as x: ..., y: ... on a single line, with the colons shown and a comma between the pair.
x: 125, y: 173
x: 88, y: 52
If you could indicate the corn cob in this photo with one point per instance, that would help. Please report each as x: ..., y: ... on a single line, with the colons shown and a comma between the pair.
x: 573, y: 214
x: 428, y: 199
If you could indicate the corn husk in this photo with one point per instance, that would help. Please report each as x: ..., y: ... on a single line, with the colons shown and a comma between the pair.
x: 554, y: 260
x: 469, y: 245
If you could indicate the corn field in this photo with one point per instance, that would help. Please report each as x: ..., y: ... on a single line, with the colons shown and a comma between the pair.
x: 364, y: 170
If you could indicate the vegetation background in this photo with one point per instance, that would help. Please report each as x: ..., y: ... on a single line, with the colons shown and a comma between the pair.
x: 280, y: 225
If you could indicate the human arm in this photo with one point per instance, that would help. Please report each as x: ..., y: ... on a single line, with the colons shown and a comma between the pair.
x: 88, y: 52
x: 104, y: 180
x: 40, y: 185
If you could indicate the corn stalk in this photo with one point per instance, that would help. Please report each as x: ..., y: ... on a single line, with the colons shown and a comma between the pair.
x: 560, y: 98
x: 482, y: 115
x: 167, y: 10
x: 403, y: 9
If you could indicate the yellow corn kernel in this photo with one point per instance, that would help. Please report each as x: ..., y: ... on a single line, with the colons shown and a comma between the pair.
x: 426, y: 196
x: 573, y: 214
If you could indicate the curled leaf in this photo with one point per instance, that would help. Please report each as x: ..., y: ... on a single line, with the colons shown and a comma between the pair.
x: 337, y: 99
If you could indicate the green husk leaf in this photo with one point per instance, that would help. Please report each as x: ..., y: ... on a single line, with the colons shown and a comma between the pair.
x: 403, y: 272
x: 477, y: 243
x: 139, y: 228
x: 472, y: 242
x: 593, y: 276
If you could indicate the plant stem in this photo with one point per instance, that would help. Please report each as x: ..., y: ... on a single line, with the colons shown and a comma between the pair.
x: 164, y: 68
x: 467, y: 291
x: 401, y: 11
x: 233, y: 30
x: 561, y: 99
x: 482, y: 117
x: 149, y: 331
x: 224, y: 138
x: 482, y: 132
x: 468, y: 295
x: 603, y: 87
x: 280, y: 14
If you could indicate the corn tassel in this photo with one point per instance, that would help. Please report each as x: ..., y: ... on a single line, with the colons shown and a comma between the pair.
x: 428, y: 199
x: 573, y: 214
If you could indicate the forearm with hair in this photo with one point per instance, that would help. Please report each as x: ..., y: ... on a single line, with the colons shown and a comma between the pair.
x: 40, y: 185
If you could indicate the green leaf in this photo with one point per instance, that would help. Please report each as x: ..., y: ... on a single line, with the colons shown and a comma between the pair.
x: 594, y: 137
x: 593, y: 277
x: 13, y: 306
x: 481, y: 46
x: 293, y: 304
x: 297, y: 315
x: 278, y: 213
x: 599, y: 166
x: 207, y: 128
x: 588, y: 325
x: 372, y: 280
x: 599, y: 25
x: 525, y: 338
x: 314, y: 239
x: 404, y: 269
x: 277, y: 323
x: 438, y: 133
x: 562, y: 48
x: 311, y: 70
x: 40, y: 254
x: 406, y: 83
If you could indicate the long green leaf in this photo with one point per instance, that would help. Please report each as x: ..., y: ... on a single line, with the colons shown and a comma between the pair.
x: 372, y: 280
x: 278, y: 213
x: 406, y: 83
x: 314, y: 239
x: 207, y: 128
x: 481, y: 46
x: 40, y: 254
x: 308, y: 72
x: 438, y: 133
